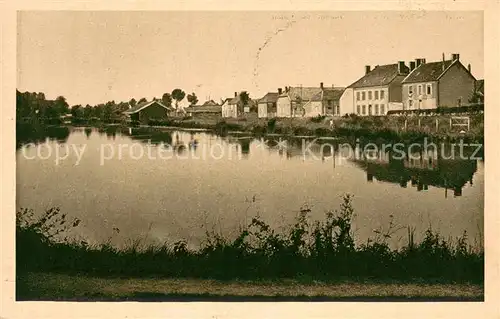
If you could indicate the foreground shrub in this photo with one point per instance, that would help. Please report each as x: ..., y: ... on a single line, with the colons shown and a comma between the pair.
x: 321, y: 249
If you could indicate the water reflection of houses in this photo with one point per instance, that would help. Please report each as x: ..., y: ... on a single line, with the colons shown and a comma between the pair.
x: 419, y: 171
x: 305, y: 148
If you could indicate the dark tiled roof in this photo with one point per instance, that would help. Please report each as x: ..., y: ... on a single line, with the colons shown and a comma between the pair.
x: 227, y: 100
x: 204, y: 109
x: 305, y: 93
x: 380, y: 75
x: 333, y: 93
x: 210, y: 103
x: 143, y: 105
x: 328, y: 94
x: 236, y: 100
x: 428, y: 72
x: 270, y: 97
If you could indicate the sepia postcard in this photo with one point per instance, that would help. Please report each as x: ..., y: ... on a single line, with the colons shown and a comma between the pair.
x: 294, y: 160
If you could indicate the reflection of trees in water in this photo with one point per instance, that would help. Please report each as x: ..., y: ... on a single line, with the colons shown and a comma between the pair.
x: 451, y: 174
x: 27, y: 133
x: 88, y: 132
x: 109, y: 131
x: 152, y: 136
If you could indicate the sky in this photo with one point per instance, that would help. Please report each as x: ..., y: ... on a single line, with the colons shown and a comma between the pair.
x: 92, y: 57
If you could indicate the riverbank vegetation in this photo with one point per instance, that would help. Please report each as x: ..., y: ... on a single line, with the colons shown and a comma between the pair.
x: 33, y: 109
x: 320, y: 250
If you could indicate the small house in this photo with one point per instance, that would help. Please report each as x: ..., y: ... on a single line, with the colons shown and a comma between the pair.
x: 143, y: 112
x: 266, y: 106
x: 309, y: 101
x: 229, y: 107
x: 233, y: 107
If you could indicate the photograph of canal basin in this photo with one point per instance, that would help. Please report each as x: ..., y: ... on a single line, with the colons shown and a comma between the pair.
x: 250, y: 156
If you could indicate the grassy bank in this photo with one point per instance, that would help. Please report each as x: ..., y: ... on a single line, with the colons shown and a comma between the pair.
x: 60, y: 287
x: 393, y: 128
x: 323, y: 250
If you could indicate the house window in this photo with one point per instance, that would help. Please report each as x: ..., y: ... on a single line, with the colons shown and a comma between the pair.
x: 363, y: 95
x: 429, y: 89
x: 376, y: 95
x: 329, y: 107
x: 370, y: 109
x: 382, y: 92
x: 338, y: 109
x: 382, y: 109
x: 364, y: 109
x: 369, y: 95
x: 358, y: 109
x: 357, y: 96
x: 410, y: 89
x: 376, y: 108
x: 419, y: 89
x: 410, y: 104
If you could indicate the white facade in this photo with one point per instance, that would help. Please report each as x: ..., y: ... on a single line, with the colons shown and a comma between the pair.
x: 229, y: 110
x: 371, y: 100
x: 420, y: 96
x: 313, y: 108
x: 347, y: 102
x: 283, y: 107
x: 262, y: 110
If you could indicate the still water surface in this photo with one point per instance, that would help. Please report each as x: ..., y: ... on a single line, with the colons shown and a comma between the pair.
x: 215, y: 182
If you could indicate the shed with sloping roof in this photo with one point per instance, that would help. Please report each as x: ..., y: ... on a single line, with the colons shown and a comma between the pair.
x: 146, y: 111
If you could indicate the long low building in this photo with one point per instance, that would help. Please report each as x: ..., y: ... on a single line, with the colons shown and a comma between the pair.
x: 143, y: 112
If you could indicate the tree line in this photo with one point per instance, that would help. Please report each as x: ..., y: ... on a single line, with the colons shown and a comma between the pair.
x: 34, y: 105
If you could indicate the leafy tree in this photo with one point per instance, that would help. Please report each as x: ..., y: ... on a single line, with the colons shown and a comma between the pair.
x: 61, y: 106
x: 244, y: 98
x: 142, y: 100
x: 98, y: 111
x: 108, y: 111
x: 132, y: 102
x: 87, y: 112
x: 192, y: 99
x: 178, y: 95
x: 166, y: 99
x: 475, y: 98
x: 77, y: 111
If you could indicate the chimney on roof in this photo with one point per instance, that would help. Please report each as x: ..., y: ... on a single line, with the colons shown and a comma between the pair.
x: 401, y: 67
x: 468, y: 68
x: 443, y: 57
x: 321, y: 85
x: 287, y: 89
x: 455, y: 56
x: 412, y: 65
x: 235, y: 94
x: 418, y: 62
x: 367, y: 69
x: 280, y: 91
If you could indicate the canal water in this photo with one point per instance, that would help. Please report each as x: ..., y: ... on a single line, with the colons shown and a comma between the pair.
x: 157, y: 186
